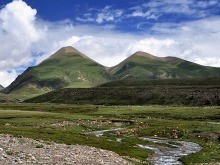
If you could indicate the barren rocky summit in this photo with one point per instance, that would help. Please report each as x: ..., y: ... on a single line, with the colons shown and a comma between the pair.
x: 15, y: 150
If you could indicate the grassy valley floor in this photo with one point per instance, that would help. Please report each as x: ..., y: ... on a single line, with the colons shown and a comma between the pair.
x: 72, y: 124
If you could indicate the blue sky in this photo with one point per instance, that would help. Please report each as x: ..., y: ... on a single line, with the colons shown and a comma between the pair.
x: 107, y: 31
x: 124, y: 15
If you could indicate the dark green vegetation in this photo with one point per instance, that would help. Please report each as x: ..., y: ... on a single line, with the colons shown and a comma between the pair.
x: 181, y: 82
x: 70, y: 68
x: 189, y: 92
x: 69, y: 124
x: 66, y: 68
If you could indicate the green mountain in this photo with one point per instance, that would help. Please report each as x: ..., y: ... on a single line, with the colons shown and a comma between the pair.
x: 142, y: 65
x: 69, y: 68
x: 66, y: 68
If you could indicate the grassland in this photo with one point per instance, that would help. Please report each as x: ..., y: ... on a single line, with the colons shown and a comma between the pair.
x: 69, y: 124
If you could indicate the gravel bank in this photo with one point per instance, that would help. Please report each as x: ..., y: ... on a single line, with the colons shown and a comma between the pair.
x: 15, y: 150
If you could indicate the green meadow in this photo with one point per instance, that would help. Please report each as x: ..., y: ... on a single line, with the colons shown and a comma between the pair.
x: 70, y: 124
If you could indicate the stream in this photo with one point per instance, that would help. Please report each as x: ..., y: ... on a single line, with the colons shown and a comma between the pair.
x: 166, y: 151
x: 170, y: 153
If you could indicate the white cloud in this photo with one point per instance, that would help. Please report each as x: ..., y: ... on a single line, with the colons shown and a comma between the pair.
x: 17, y: 33
x: 87, y: 19
x: 148, y: 14
x: 197, y: 41
x: 201, y: 36
x: 208, y: 61
x: 17, y: 20
x: 154, y: 46
x: 106, y: 14
x: 189, y: 8
x: 7, y: 77
x: 204, y: 4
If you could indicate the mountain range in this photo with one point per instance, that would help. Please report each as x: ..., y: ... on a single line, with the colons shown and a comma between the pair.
x: 70, y: 68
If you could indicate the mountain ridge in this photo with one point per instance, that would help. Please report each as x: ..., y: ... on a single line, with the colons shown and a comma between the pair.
x: 68, y: 67
x: 150, y: 56
x: 144, y: 65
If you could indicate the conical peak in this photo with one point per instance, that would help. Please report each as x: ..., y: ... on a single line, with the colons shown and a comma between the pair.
x: 68, y: 49
x: 147, y: 55
x: 144, y: 54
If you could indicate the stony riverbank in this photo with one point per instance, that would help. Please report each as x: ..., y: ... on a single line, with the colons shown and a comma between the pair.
x: 15, y: 150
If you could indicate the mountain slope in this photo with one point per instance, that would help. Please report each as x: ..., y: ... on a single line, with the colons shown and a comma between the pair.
x: 70, y: 68
x: 143, y: 65
x: 66, y: 68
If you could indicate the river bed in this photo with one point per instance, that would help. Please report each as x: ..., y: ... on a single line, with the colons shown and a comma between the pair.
x: 166, y: 151
x: 170, y: 153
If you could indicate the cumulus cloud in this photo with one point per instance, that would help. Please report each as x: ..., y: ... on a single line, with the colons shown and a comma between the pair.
x: 34, y: 39
x: 17, y: 33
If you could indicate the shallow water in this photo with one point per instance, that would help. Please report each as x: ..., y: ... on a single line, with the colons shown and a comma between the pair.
x: 170, y: 154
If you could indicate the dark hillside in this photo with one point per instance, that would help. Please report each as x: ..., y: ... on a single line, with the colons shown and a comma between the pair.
x: 194, y: 96
x: 214, y: 81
